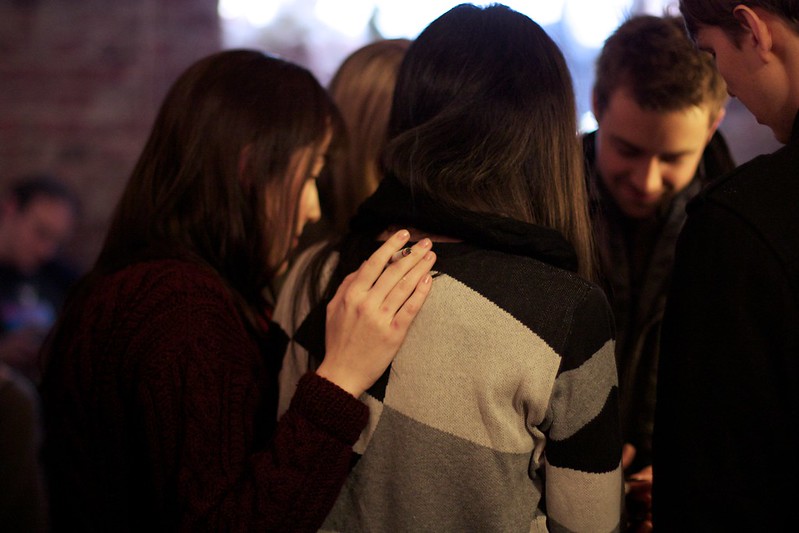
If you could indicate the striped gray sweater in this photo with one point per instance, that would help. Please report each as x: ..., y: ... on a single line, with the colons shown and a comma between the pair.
x: 499, y: 412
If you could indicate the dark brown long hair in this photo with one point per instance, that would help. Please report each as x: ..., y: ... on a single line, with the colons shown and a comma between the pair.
x: 484, y: 119
x: 219, y: 179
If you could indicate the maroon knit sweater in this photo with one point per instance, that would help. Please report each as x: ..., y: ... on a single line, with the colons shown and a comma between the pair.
x: 159, y: 416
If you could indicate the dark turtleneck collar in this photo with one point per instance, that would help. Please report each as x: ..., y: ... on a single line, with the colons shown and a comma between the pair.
x: 394, y: 204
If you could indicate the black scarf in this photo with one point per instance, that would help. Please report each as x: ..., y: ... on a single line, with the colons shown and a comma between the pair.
x: 394, y: 204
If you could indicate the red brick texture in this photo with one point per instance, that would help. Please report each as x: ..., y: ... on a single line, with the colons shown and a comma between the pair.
x: 80, y: 84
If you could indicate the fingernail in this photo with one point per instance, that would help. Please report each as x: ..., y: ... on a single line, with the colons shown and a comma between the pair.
x: 403, y: 234
x: 427, y: 279
x: 425, y: 243
x: 429, y: 256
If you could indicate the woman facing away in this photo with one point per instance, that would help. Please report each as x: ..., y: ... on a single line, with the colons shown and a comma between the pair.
x: 160, y: 385
x: 500, y: 410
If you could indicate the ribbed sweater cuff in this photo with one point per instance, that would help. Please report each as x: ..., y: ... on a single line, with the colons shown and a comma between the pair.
x: 330, y: 407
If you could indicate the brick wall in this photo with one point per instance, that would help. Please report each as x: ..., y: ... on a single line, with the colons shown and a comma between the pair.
x: 80, y: 84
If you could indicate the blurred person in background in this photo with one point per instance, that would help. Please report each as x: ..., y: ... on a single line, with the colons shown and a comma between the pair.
x: 38, y: 214
x: 23, y: 501
x: 362, y: 89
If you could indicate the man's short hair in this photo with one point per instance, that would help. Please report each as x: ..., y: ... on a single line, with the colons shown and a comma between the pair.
x: 655, y: 60
x: 28, y: 188
x: 720, y: 13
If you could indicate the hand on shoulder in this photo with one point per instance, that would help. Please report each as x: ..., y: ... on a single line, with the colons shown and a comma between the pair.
x: 370, y: 314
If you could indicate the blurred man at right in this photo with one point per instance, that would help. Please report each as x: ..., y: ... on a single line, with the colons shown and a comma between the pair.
x: 725, y: 442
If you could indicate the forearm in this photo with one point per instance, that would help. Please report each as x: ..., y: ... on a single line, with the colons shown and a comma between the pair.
x: 289, y: 484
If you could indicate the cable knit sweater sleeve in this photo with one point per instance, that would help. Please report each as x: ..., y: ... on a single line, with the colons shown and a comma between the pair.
x: 180, y: 376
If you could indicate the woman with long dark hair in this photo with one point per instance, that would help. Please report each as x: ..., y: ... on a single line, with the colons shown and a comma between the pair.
x: 160, y: 384
x: 500, y: 410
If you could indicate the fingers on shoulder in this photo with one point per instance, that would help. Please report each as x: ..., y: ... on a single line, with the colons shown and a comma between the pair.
x: 413, y: 304
x: 374, y: 266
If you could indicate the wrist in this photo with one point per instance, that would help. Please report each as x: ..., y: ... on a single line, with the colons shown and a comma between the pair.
x: 341, y: 379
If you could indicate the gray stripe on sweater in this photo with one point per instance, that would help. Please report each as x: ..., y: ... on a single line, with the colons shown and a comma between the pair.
x: 454, y: 387
x: 580, y: 394
x: 404, y: 482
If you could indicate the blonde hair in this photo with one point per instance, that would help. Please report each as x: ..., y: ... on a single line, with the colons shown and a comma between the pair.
x: 362, y: 88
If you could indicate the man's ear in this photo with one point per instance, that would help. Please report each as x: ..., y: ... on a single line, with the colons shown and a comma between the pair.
x: 756, y: 26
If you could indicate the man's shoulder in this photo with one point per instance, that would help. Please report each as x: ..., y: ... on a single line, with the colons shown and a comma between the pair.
x: 766, y: 185
x: 759, y: 197
x: 717, y: 160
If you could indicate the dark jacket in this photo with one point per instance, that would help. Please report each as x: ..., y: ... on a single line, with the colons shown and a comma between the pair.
x: 728, y: 394
x: 638, y: 306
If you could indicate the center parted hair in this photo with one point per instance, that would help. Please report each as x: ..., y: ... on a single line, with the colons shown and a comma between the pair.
x: 656, y: 61
x: 220, y: 177
x: 483, y: 119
